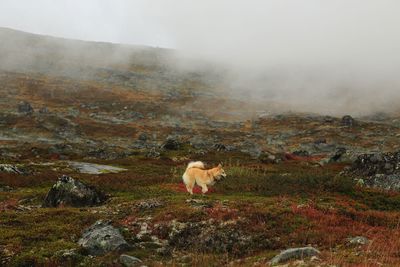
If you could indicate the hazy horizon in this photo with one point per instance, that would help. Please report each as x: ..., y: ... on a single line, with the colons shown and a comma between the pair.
x: 319, y: 56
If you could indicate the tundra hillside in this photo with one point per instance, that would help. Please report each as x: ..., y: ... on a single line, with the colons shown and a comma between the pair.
x: 94, y: 139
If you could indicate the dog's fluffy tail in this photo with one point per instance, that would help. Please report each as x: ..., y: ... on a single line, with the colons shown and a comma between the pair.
x: 195, y: 164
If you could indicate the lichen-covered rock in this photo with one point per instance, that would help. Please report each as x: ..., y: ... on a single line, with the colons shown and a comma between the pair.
x: 379, y: 170
x: 12, y: 169
x: 149, y: 204
x: 70, y: 192
x: 294, y: 253
x: 101, y: 238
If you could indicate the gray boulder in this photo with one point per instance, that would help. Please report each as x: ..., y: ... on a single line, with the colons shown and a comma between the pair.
x: 171, y: 143
x: 101, y: 238
x: 70, y: 192
x: 294, y: 253
x: 348, y: 121
x: 129, y: 261
x: 25, y: 108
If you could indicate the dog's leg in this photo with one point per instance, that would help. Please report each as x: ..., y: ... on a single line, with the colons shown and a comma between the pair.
x: 189, y: 189
x: 204, y: 189
x: 188, y: 183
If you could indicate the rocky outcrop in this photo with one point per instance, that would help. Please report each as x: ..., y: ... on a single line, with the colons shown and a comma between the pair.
x: 101, y: 238
x: 70, y: 192
x: 379, y: 170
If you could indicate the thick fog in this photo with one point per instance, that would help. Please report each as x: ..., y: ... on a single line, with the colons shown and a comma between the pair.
x: 337, y: 56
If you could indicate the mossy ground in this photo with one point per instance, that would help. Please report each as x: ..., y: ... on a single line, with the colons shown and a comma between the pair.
x: 292, y: 204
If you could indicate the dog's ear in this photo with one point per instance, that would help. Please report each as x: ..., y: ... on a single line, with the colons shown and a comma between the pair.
x: 220, y: 165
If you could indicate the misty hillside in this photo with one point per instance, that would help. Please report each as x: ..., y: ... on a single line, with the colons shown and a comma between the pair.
x: 135, y: 67
x: 95, y: 139
x: 45, y: 52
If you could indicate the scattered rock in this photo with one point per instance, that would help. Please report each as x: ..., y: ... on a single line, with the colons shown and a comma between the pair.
x: 70, y: 255
x: 44, y: 110
x: 348, y: 121
x: 320, y: 141
x: 220, y: 147
x: 25, y: 108
x: 268, y: 157
x: 149, y: 204
x: 301, y: 153
x: 6, y: 255
x: 358, y: 240
x: 328, y: 119
x: 294, y: 253
x: 70, y: 192
x: 153, y: 153
x: 129, y: 261
x: 171, y: 144
x: 12, y: 169
x: 143, y: 137
x: 341, y: 155
x: 101, y: 238
x: 199, y: 203
x: 6, y: 188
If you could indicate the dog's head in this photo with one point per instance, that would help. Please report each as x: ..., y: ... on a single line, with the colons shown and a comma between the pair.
x: 220, y: 173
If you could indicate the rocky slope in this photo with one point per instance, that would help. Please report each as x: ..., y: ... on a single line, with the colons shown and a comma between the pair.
x: 124, y: 121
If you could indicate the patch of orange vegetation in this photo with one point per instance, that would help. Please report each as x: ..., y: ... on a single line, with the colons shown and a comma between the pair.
x: 334, y: 226
x: 222, y: 213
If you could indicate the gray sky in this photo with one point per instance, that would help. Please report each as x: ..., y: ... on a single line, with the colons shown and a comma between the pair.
x: 322, y: 45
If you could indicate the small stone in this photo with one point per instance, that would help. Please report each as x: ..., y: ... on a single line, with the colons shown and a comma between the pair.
x: 44, y: 110
x: 129, y: 261
x: 25, y: 108
x: 294, y: 253
x: 358, y: 240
